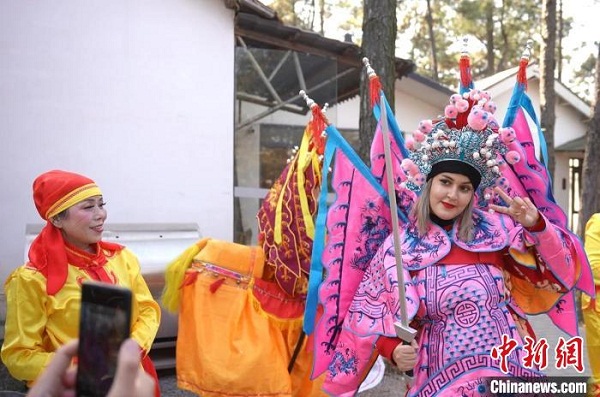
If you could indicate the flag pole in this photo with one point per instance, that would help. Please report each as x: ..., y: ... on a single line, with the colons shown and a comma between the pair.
x: 402, y: 328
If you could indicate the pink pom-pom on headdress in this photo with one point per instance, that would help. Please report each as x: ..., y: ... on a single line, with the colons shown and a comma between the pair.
x: 419, y: 179
x: 425, y: 126
x: 409, y: 167
x: 418, y: 136
x: 490, y: 106
x: 451, y: 111
x: 462, y: 105
x: 455, y: 98
x: 485, y: 95
x: 478, y: 118
x: 512, y: 157
x: 475, y: 95
x: 507, y: 135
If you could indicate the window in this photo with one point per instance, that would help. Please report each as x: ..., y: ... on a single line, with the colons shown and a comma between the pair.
x: 271, y: 118
x: 270, y: 121
x: 575, y: 171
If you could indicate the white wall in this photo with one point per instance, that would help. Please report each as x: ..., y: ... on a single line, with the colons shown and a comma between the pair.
x: 138, y: 95
x: 414, y: 102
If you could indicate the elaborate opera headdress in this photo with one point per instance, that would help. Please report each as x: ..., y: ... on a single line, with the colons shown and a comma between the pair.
x: 469, y: 134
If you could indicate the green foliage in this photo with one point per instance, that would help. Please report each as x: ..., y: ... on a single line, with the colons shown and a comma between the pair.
x: 497, y: 30
x: 493, y: 27
x: 412, y: 21
x: 583, y: 79
x: 285, y: 11
x: 315, y: 15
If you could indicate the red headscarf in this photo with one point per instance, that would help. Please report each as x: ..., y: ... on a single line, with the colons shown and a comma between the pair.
x: 53, y: 192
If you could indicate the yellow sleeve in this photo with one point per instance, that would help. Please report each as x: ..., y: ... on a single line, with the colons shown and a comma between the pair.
x: 592, y: 245
x: 146, y: 312
x: 23, y: 350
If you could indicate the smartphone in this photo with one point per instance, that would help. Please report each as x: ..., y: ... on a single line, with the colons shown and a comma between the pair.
x: 104, y: 324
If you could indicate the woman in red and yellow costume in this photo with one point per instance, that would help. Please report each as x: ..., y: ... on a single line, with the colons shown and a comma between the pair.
x: 44, y: 295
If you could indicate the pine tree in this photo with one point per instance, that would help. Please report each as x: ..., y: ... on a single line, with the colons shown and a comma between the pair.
x: 591, y: 160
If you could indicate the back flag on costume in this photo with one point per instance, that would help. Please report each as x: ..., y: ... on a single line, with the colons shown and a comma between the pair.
x: 397, y: 146
x: 348, y: 232
x: 357, y: 223
x: 285, y: 219
x: 527, y: 177
x: 534, y: 180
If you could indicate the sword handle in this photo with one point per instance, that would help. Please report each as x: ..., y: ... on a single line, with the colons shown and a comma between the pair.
x: 409, y: 373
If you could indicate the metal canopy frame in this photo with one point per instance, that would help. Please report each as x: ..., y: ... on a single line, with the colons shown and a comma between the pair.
x: 255, y: 32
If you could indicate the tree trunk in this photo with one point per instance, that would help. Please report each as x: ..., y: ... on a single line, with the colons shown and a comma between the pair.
x: 379, y: 45
x: 590, y: 201
x: 559, y: 52
x: 434, y: 61
x: 322, y: 16
x: 547, y: 94
x: 489, y: 33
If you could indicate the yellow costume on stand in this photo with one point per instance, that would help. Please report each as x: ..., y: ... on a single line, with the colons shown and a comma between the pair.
x: 230, y: 340
x: 241, y: 308
x: 37, y: 323
x: 591, y: 307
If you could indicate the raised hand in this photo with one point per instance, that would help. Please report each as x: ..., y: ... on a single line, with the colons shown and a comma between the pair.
x: 522, y: 210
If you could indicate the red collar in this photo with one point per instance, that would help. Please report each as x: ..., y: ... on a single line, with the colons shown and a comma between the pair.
x: 460, y: 256
x: 92, y: 263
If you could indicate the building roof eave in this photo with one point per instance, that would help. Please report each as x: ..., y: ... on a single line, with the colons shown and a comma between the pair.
x: 312, y: 55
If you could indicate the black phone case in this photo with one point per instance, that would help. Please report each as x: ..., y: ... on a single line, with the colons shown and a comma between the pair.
x: 104, y: 324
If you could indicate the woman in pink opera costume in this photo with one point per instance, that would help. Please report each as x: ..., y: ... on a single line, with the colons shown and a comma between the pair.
x: 477, y: 256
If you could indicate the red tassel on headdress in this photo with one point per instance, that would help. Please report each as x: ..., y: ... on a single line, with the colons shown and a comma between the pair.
x: 374, y: 89
x: 462, y: 118
x: 522, y: 73
x: 465, y: 70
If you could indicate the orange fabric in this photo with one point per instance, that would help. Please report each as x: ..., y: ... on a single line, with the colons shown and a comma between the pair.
x: 276, y: 302
x: 530, y: 298
x: 227, y: 343
x: 245, y: 261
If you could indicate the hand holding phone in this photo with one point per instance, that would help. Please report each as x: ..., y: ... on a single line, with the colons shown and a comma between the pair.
x: 58, y: 379
x: 105, y: 321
